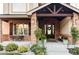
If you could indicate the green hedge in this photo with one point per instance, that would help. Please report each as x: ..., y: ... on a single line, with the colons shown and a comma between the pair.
x: 1, y: 47
x: 11, y: 47
x: 38, y: 50
x: 22, y: 49
x: 74, y: 51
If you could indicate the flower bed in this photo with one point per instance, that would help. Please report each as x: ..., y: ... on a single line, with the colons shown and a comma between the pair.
x: 14, y: 49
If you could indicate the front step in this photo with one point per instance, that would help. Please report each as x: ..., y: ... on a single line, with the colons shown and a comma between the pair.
x: 52, y: 40
x: 56, y: 48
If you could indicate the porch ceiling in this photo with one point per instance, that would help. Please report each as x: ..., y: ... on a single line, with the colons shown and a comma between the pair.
x: 57, y: 18
x: 55, y: 9
x: 66, y: 6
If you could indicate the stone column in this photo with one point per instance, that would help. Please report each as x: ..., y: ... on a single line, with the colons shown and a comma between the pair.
x: 74, y: 22
x: 34, y: 26
x: 0, y: 30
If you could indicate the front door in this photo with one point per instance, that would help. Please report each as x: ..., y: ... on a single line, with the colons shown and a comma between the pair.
x: 50, y: 31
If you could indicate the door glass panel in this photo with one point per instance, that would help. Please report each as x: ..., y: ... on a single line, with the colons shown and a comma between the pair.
x: 53, y: 29
x: 45, y: 28
x: 49, y: 30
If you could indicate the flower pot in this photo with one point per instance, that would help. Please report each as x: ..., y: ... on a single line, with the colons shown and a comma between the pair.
x: 45, y: 41
x: 41, y: 43
x: 65, y: 41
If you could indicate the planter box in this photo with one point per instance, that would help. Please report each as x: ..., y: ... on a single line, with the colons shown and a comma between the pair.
x: 16, y: 53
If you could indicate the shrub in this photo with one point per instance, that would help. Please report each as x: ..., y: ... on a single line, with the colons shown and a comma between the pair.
x: 75, y: 34
x: 11, y: 47
x: 33, y: 47
x: 22, y: 49
x: 1, y: 47
x: 38, y: 50
x: 74, y: 51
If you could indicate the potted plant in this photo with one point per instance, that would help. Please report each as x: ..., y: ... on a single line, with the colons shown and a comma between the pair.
x: 41, y: 40
x: 41, y: 37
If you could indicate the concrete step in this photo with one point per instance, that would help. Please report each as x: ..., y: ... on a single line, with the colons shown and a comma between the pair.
x: 58, y: 53
x: 56, y: 49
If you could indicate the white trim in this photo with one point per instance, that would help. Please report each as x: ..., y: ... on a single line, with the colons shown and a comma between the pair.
x: 71, y: 7
x: 13, y: 16
x: 35, y: 9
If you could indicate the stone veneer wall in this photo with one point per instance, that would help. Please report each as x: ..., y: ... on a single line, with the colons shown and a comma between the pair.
x: 34, y: 26
x: 68, y: 22
x: 65, y: 26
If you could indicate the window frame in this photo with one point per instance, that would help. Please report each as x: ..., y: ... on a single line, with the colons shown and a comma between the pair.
x: 23, y: 30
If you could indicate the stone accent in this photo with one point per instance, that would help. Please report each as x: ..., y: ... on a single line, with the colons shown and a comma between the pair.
x: 34, y: 26
x: 74, y: 19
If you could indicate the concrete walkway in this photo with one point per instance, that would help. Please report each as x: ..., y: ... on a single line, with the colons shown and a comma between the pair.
x: 56, y: 48
x: 53, y: 48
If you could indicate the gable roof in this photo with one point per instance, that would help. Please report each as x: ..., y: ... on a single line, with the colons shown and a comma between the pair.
x: 64, y: 4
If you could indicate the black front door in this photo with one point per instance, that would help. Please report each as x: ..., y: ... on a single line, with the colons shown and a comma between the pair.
x: 50, y: 31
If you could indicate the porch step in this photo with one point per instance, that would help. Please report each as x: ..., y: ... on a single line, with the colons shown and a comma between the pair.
x: 56, y: 48
x: 52, y: 40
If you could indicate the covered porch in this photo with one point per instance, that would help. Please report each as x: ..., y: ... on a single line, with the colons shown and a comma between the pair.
x: 55, y: 20
x: 14, y: 28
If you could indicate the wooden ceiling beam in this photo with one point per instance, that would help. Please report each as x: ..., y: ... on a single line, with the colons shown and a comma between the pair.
x: 54, y: 9
x: 59, y: 10
x: 54, y: 14
x: 50, y: 10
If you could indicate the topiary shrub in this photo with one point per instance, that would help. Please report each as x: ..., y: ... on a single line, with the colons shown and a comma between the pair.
x: 22, y: 49
x: 11, y: 47
x: 1, y: 47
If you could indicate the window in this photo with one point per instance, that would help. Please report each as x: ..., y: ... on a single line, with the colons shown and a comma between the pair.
x: 20, y: 29
x: 20, y: 8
